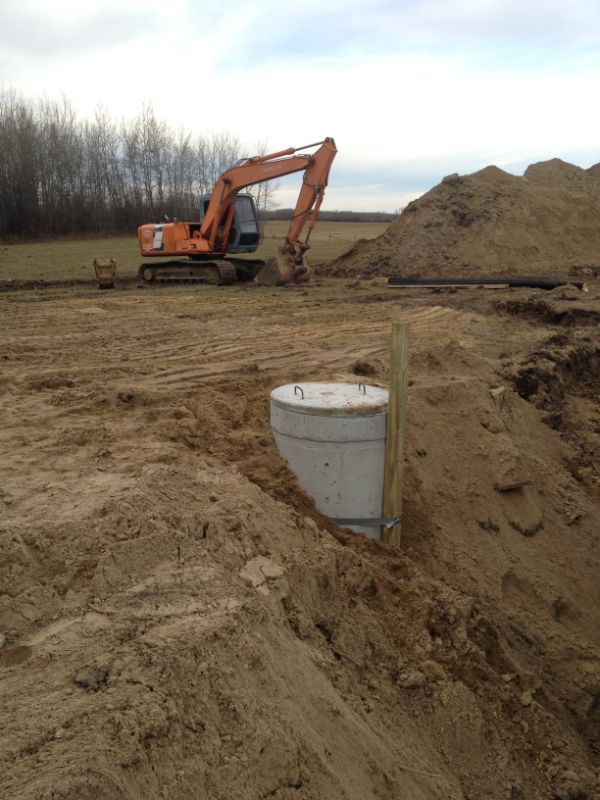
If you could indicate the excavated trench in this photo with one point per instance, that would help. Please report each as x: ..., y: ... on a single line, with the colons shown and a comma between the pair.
x: 548, y: 313
x: 191, y: 627
x: 550, y: 373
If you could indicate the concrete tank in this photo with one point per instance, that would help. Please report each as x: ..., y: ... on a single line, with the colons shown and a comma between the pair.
x: 333, y: 436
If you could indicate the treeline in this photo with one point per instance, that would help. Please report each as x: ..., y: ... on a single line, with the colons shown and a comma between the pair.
x: 60, y: 175
x: 331, y: 216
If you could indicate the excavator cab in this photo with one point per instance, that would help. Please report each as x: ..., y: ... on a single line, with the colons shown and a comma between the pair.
x: 246, y: 232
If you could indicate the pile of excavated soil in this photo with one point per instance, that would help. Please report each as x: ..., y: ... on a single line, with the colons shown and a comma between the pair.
x: 179, y: 622
x: 491, y: 224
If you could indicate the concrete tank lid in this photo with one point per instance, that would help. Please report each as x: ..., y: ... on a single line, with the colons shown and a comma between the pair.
x: 331, y: 399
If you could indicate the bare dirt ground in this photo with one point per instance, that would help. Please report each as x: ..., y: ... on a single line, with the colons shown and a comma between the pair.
x: 178, y: 621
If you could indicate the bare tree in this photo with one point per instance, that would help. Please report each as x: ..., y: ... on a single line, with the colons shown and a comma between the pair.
x: 60, y: 175
x: 264, y: 192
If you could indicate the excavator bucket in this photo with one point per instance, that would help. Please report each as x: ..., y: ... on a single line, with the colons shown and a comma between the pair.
x: 105, y: 273
x: 281, y: 270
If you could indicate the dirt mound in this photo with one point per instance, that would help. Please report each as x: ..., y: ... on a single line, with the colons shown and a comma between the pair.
x: 559, y: 174
x: 490, y: 224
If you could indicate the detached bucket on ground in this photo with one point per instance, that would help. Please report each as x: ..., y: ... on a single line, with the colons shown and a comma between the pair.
x: 105, y: 273
x: 333, y: 436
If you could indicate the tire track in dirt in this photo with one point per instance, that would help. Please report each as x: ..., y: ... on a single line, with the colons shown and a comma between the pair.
x: 320, y: 339
x: 330, y: 347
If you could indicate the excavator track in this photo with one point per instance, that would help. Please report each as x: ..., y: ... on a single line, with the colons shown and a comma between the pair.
x: 219, y: 273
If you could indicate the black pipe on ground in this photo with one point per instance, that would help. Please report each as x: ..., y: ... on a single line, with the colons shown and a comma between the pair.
x: 532, y: 283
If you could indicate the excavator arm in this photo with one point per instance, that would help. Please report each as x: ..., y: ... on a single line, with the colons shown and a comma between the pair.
x: 310, y: 199
x: 219, y: 214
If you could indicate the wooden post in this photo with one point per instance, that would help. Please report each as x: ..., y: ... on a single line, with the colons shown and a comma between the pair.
x: 394, y: 448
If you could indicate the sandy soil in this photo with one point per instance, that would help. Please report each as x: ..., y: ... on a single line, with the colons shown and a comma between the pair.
x: 178, y: 621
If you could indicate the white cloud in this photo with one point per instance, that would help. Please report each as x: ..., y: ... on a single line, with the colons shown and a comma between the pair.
x: 411, y: 91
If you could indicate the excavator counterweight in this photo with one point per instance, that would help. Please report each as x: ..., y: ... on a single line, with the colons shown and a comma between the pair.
x: 229, y: 223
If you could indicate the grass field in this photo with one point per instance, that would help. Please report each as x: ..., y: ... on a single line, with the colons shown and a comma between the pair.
x: 72, y: 259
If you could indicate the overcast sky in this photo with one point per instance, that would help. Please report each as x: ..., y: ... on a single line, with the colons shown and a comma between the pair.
x: 411, y: 90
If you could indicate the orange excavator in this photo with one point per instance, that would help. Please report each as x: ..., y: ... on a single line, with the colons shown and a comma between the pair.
x: 229, y: 225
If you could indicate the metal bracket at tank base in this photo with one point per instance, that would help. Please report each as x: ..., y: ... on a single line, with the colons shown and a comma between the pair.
x: 372, y: 522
